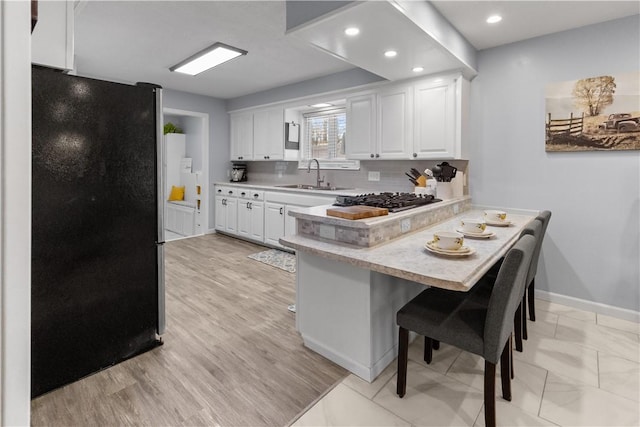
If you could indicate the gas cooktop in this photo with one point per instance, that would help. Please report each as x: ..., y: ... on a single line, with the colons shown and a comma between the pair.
x: 395, y: 202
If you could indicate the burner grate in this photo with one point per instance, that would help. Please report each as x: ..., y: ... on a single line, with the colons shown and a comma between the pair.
x: 395, y: 202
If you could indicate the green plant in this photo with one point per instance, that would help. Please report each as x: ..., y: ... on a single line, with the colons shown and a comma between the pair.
x: 171, y: 128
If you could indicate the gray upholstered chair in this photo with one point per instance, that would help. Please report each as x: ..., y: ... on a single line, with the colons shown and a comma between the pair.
x: 529, y: 297
x: 464, y: 321
x: 481, y: 292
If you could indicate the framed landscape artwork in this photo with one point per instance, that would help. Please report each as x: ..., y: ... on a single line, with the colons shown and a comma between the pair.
x: 596, y: 113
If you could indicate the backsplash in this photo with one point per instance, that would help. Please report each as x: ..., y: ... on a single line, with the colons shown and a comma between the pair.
x: 392, y: 174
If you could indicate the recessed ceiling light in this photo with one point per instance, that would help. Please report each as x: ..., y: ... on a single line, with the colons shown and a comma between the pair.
x: 390, y: 53
x: 418, y: 69
x: 210, y: 57
x: 352, y: 31
x: 322, y: 105
x: 493, y: 19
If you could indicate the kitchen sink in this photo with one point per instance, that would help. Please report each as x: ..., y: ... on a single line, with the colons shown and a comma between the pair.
x: 312, y: 187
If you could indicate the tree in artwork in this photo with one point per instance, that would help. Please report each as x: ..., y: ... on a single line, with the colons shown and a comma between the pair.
x: 594, y: 94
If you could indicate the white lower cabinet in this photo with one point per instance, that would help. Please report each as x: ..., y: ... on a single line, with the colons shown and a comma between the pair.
x: 273, y: 223
x: 227, y: 214
x: 251, y: 213
x: 261, y: 216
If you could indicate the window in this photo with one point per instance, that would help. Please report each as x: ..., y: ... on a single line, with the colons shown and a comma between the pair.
x: 325, y: 132
x: 325, y: 138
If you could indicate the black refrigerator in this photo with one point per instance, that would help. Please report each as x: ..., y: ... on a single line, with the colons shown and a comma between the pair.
x: 97, y: 269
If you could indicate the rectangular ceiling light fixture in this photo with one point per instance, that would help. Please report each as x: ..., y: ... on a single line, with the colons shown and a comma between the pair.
x: 214, y: 55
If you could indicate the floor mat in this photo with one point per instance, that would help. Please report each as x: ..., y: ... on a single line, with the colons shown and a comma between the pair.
x: 280, y: 259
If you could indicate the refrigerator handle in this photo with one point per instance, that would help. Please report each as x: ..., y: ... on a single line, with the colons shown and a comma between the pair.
x: 160, y: 154
x: 162, y: 322
x: 160, y: 161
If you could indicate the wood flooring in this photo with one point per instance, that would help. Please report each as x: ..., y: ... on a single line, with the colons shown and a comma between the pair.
x: 231, y: 355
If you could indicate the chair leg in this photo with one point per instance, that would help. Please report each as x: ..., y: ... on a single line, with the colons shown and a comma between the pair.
x: 513, y: 374
x: 525, y: 336
x: 428, y: 353
x: 436, y: 344
x: 403, y: 354
x: 517, y: 325
x: 505, y: 371
x: 532, y: 303
x: 489, y: 394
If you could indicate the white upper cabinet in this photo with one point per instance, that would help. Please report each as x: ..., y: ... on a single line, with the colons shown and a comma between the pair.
x: 394, y: 123
x: 258, y: 135
x: 379, y: 125
x: 361, y: 138
x: 52, y: 37
x: 268, y: 134
x: 435, y: 121
x: 242, y: 136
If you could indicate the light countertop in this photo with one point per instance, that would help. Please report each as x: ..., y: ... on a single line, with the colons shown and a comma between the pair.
x: 407, y: 258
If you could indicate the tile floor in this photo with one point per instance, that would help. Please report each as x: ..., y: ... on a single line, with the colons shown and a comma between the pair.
x: 578, y: 369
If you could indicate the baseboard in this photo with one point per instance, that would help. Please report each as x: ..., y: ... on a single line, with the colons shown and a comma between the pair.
x: 349, y: 364
x: 596, y: 307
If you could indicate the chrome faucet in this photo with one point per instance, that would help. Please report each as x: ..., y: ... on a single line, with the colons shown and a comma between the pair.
x: 318, y: 180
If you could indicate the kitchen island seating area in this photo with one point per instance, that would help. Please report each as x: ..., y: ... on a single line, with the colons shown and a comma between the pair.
x: 347, y: 296
x: 475, y: 325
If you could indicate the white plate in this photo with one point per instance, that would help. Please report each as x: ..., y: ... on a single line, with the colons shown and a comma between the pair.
x: 484, y: 235
x: 498, y: 223
x: 463, y: 251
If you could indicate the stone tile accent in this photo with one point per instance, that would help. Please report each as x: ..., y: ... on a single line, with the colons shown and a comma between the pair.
x: 374, y: 231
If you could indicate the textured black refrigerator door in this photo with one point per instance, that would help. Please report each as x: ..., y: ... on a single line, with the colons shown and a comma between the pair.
x: 94, y: 253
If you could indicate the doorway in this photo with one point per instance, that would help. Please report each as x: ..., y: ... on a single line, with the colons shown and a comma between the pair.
x: 186, y: 167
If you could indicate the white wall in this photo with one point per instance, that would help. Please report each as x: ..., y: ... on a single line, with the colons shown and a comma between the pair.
x: 591, y: 250
x: 15, y: 213
x: 218, y: 134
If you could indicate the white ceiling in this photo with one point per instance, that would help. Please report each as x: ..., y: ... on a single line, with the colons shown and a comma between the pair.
x: 526, y: 19
x: 138, y: 41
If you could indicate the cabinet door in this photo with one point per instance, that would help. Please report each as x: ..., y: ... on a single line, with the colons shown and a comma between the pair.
x: 52, y: 38
x: 394, y: 123
x: 244, y: 218
x: 188, y: 222
x: 242, y: 136
x: 232, y: 215
x: 273, y: 223
x: 257, y: 221
x: 268, y: 134
x: 361, y: 127
x: 434, y: 118
x: 220, y: 214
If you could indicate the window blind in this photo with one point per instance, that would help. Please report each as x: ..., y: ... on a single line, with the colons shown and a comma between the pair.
x: 325, y: 134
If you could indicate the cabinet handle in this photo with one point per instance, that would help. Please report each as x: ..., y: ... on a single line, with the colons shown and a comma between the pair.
x: 248, y: 205
x: 239, y: 157
x: 268, y: 157
x: 281, y: 209
x: 415, y: 154
x: 219, y: 191
x: 224, y: 202
x: 243, y: 193
x: 256, y: 195
x: 377, y: 155
x: 372, y: 155
x: 230, y: 192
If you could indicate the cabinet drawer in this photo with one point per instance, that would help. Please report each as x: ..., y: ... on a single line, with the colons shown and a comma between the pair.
x: 223, y: 190
x: 250, y: 194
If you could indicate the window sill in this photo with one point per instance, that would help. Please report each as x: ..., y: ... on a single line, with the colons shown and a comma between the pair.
x: 331, y: 164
